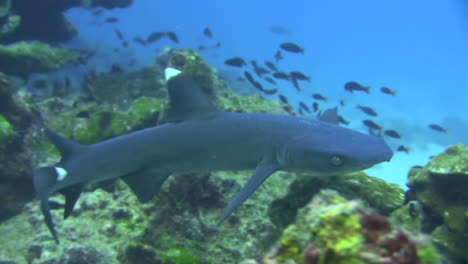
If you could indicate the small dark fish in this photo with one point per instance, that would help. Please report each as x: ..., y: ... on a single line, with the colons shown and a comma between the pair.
x: 139, y: 41
x: 354, y: 86
x: 125, y: 43
x: 155, y: 36
x: 280, y: 30
x: 299, y: 110
x: 392, y: 133
x: 67, y: 82
x: 116, y: 49
x: 240, y: 79
x: 249, y: 77
x: 119, y: 34
x: 172, y: 36
x: 288, y: 108
x: 97, y: 12
x: 371, y: 124
x: 319, y: 97
x: 111, y: 20
x: 295, y: 83
x: 270, y: 80
x: 304, y: 107
x: 438, y: 128
x: 291, y: 47
x: 402, y: 148
x: 278, y: 56
x: 116, y: 68
x: 201, y: 47
x: 257, y: 69
x: 271, y: 66
x: 207, y: 32
x: 235, y: 62
x: 342, y: 103
x: 315, y: 106
x: 217, y: 45
x: 270, y: 91
x: 367, y: 110
x: 387, y: 90
x: 283, y: 99
x: 343, y: 121
x: 258, y: 86
x: 281, y: 75
x: 299, y: 76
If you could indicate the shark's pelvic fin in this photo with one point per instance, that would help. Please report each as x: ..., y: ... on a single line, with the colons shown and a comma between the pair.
x: 263, y: 170
x: 146, y: 183
x: 71, y: 194
x: 187, y: 101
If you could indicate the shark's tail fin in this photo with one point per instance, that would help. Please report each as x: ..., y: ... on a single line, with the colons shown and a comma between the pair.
x: 44, y: 179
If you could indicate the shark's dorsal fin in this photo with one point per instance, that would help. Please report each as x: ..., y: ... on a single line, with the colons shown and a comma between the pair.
x: 186, y: 100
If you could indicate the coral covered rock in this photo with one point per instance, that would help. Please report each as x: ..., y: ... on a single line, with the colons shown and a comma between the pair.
x: 331, y: 229
x: 23, y: 58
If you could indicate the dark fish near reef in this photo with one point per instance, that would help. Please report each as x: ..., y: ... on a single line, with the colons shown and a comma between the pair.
x: 315, y: 106
x: 155, y: 36
x: 119, y: 34
x: 367, y: 110
x: 371, y: 124
x: 270, y: 80
x: 249, y: 77
x: 125, y: 43
x: 281, y: 75
x: 392, y: 133
x: 270, y: 91
x: 144, y: 159
x: 217, y: 45
x: 97, y: 12
x: 299, y: 76
x: 354, y: 86
x: 235, y: 62
x: 111, y: 20
x: 201, y: 47
x: 172, y: 36
x: 271, y: 66
x: 278, y: 56
x: 402, y: 148
x: 279, y: 30
x: 319, y: 97
x: 438, y: 128
x: 288, y: 108
x: 258, y: 69
x: 283, y: 99
x: 303, y: 106
x: 207, y: 32
x: 139, y: 41
x: 386, y: 90
x: 342, y: 103
x: 295, y: 83
x: 291, y: 47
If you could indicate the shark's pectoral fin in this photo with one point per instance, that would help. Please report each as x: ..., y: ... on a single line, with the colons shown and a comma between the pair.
x: 71, y: 194
x: 263, y: 170
x: 146, y: 183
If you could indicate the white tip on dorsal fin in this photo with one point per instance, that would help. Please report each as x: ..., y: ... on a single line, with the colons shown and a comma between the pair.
x: 61, y: 173
x: 171, y: 72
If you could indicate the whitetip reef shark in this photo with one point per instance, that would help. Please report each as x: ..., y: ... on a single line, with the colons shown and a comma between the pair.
x: 197, y: 137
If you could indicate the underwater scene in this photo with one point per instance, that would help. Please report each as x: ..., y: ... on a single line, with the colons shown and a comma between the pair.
x: 243, y: 132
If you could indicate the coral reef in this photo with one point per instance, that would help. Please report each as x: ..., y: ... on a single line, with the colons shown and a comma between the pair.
x: 380, y: 195
x: 331, y: 229
x: 441, y: 187
x: 23, y: 58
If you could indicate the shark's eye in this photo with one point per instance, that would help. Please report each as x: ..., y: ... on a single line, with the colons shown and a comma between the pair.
x: 336, y: 160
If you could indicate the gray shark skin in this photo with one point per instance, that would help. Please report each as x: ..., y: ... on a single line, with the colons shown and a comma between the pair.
x: 197, y: 137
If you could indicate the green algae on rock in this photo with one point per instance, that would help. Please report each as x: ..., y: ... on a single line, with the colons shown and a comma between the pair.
x: 6, y: 131
x: 331, y: 229
x: 380, y: 195
x: 23, y: 58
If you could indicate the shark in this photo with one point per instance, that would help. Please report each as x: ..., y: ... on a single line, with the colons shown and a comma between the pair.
x: 197, y: 137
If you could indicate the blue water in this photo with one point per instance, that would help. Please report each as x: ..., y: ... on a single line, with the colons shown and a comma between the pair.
x: 418, y: 48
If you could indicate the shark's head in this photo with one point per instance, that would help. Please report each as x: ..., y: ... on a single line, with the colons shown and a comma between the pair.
x: 333, y: 149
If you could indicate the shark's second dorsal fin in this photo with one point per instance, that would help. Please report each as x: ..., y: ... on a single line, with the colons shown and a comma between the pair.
x: 186, y: 100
